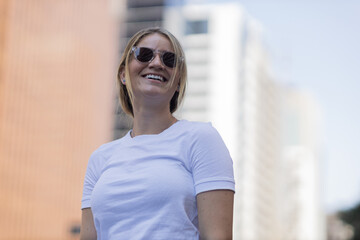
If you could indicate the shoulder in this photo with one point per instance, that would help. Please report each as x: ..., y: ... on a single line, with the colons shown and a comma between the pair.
x: 198, y: 127
x: 106, y: 150
x: 200, y: 130
x: 201, y: 135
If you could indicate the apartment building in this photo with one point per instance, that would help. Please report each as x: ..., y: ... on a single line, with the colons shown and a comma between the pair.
x: 56, y: 76
x: 231, y: 85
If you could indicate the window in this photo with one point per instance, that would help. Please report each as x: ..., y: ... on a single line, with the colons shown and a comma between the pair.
x: 196, y: 27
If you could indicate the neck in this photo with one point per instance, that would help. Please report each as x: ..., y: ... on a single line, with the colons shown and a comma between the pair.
x: 151, y: 122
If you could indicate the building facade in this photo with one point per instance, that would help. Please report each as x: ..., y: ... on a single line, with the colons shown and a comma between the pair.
x: 302, y: 215
x: 56, y: 76
x: 230, y: 84
x: 138, y: 15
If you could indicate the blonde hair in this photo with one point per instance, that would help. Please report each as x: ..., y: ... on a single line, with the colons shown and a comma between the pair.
x: 125, y: 91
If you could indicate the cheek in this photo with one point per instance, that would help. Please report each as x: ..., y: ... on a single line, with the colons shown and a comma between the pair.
x: 135, y: 68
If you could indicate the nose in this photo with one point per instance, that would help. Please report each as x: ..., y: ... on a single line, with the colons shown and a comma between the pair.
x: 156, y: 62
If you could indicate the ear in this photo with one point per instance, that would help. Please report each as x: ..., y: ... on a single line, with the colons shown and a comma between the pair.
x: 122, y: 75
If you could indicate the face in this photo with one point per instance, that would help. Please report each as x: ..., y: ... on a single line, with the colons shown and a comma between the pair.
x: 150, y: 80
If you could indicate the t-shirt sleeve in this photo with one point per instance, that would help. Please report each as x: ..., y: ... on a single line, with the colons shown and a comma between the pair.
x: 211, y: 164
x: 91, y: 177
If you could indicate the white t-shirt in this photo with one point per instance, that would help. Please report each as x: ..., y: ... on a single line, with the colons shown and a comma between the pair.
x: 145, y: 187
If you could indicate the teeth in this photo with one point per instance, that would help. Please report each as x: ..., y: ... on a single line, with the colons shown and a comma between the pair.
x: 151, y: 76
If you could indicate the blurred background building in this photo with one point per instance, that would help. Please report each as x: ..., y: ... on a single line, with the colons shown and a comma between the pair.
x: 337, y: 229
x: 56, y: 81
x: 302, y: 216
x: 230, y: 84
x: 139, y: 14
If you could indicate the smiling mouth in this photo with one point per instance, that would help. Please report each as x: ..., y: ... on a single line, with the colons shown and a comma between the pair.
x: 155, y: 77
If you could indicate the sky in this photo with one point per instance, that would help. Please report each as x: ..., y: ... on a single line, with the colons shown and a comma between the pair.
x: 315, y: 46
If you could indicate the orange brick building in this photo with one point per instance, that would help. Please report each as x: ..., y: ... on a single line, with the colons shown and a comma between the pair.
x: 57, y: 81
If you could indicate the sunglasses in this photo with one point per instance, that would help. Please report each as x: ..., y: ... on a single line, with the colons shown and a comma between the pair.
x: 146, y: 55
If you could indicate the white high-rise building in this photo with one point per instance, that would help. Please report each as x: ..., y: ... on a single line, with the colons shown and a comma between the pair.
x: 302, y: 216
x: 230, y: 85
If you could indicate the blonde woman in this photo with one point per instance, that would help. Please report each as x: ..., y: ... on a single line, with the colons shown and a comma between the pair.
x: 167, y: 178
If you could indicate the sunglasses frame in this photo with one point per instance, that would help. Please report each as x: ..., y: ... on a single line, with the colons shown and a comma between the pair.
x: 135, y: 48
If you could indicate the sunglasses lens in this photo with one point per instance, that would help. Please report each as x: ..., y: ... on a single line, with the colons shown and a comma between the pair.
x: 169, y: 59
x: 144, y: 54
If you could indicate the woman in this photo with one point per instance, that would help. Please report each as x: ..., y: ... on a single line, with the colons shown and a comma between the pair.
x: 167, y: 178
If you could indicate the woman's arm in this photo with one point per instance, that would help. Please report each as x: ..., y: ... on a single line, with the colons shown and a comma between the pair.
x: 215, y: 212
x: 87, y: 231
